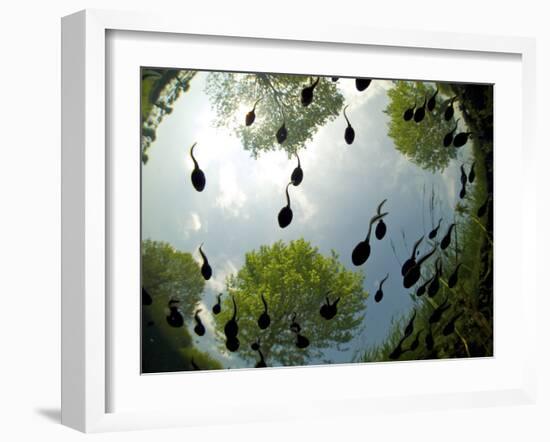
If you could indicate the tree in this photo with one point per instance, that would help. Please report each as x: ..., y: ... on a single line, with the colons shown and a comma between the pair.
x: 160, y: 88
x: 293, y: 278
x: 168, y: 274
x: 421, y: 142
x: 232, y: 95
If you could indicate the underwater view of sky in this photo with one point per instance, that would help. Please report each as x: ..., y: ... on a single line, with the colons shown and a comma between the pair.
x: 340, y: 192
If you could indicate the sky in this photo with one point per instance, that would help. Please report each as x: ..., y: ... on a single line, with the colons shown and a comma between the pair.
x: 340, y: 192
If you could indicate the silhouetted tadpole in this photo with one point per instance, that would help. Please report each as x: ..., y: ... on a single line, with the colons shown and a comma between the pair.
x: 433, y: 233
x: 397, y: 351
x: 251, y: 116
x: 381, y: 228
x: 206, y: 270
x: 297, y: 174
x: 231, y: 328
x: 349, y: 134
x: 174, y: 318
x: 362, y: 83
x: 145, y: 297
x: 448, y: 139
x: 472, y: 174
x: 194, y: 365
x: 218, y: 307
x: 446, y: 241
x: 453, y: 279
x: 379, y: 293
x: 483, y: 209
x: 462, y: 193
x: 450, y: 111
x: 294, y: 326
x: 436, y: 315
x: 450, y: 326
x: 361, y: 252
x: 335, y: 79
x: 422, y: 289
x: 198, y: 179
x: 150, y: 323
x: 199, y: 327
x: 261, y: 363
x: 410, y: 326
x: 307, y: 93
x: 281, y: 134
x: 434, y: 285
x: 414, y: 344
x: 413, y: 275
x: 264, y: 320
x: 255, y: 345
x: 409, y: 263
x: 420, y: 112
x: 285, y: 214
x: 232, y: 344
x: 461, y: 139
x: 409, y: 113
x: 301, y: 341
x: 431, y: 101
x: 429, y: 340
x: 328, y: 310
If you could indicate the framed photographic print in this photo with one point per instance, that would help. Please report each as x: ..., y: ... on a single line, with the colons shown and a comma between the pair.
x: 284, y: 236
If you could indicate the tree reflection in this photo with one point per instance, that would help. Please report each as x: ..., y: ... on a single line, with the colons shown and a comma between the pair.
x: 276, y: 101
x: 293, y: 278
x: 421, y: 142
x: 169, y: 274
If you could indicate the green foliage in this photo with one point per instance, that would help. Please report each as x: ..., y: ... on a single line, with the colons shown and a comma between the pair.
x: 165, y: 348
x: 473, y: 295
x: 160, y: 88
x: 293, y: 277
x: 422, y: 143
x: 170, y: 274
x: 233, y: 95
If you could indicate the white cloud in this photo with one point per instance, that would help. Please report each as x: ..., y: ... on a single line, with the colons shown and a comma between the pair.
x: 194, y: 222
x: 217, y: 281
x: 303, y: 205
x: 231, y: 198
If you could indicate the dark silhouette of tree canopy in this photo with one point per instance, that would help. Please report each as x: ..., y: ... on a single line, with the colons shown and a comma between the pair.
x: 422, y: 143
x: 293, y: 277
x: 169, y: 274
x: 160, y: 88
x: 232, y: 95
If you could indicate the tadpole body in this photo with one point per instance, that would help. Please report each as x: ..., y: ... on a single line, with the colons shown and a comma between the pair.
x: 349, y: 134
x: 174, y: 318
x: 362, y: 83
x: 434, y: 231
x: 328, y: 310
x: 199, y: 327
x: 446, y: 241
x: 206, y: 270
x: 218, y: 306
x: 198, y: 179
x: 379, y: 293
x: 285, y: 214
x: 307, y: 93
x: 297, y: 174
x: 264, y: 320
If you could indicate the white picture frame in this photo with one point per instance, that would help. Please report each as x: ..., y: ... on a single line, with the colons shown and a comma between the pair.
x: 86, y: 207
